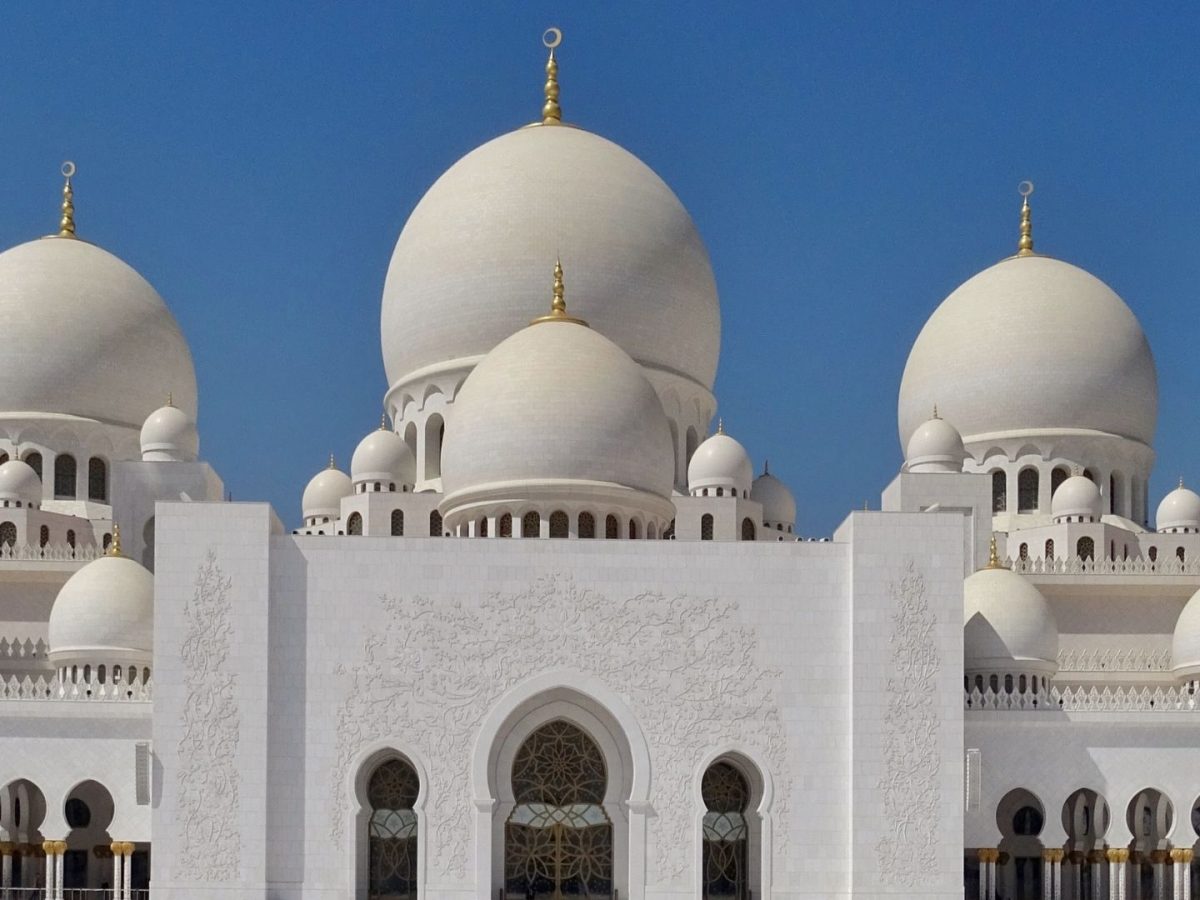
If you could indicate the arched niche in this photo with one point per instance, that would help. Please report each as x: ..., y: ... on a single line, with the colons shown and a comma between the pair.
x: 758, y: 815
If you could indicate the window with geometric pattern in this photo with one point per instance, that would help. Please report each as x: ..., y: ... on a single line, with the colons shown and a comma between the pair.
x: 392, y: 830
x: 725, y: 857
x: 558, y: 840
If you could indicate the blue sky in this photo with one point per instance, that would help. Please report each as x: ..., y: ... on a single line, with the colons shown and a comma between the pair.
x: 847, y: 164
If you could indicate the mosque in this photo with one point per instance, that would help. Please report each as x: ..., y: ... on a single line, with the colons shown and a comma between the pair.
x: 550, y: 636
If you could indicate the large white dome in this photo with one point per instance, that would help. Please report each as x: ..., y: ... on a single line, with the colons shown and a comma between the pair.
x: 471, y: 260
x: 1185, y: 643
x: 86, y: 335
x: 1032, y: 343
x: 1009, y: 627
x: 104, y: 614
x: 563, y: 413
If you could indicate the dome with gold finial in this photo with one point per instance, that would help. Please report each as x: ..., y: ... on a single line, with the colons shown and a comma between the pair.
x: 570, y: 422
x: 383, y: 461
x: 169, y: 435
x: 1030, y: 350
x: 322, y: 498
x: 84, y: 334
x: 1179, y: 512
x: 720, y: 464
x: 471, y: 258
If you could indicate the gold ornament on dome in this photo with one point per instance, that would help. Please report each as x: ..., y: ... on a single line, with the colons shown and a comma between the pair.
x: 1025, y: 244
x: 66, y: 225
x: 551, y: 111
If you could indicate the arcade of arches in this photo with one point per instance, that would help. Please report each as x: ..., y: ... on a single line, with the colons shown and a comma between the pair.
x: 1157, y: 863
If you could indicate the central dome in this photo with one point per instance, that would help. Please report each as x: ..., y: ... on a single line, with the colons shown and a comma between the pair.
x: 1032, y: 343
x: 471, y: 260
x: 86, y: 335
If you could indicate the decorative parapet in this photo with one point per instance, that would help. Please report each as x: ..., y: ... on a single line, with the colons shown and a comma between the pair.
x: 1112, y: 660
x: 1087, y: 699
x: 23, y: 649
x: 43, y: 688
x: 49, y: 553
x: 1076, y: 566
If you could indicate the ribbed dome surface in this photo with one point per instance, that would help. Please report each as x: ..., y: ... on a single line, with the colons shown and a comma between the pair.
x: 557, y: 403
x: 1032, y: 343
x: 1009, y: 625
x: 471, y: 261
x: 86, y: 335
x: 105, y: 611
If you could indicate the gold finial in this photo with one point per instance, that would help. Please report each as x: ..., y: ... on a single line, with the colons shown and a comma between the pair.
x: 551, y: 111
x: 994, y: 556
x: 558, y: 305
x: 1025, y: 244
x: 114, y: 549
x: 1181, y: 481
x: 66, y: 226
x: 383, y: 421
x: 170, y: 398
x: 331, y: 465
x: 720, y: 426
x: 935, y: 414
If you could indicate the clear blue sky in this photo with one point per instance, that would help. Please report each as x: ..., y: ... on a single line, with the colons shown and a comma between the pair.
x: 847, y: 164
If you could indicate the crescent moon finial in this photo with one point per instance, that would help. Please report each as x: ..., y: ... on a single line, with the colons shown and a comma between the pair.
x: 66, y: 225
x: 1025, y: 244
x: 551, y: 38
x: 551, y: 111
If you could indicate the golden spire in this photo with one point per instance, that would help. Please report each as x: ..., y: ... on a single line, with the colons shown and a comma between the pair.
x: 720, y: 426
x: 558, y: 305
x: 994, y: 556
x: 551, y: 111
x: 1181, y: 481
x: 1025, y: 244
x: 66, y: 226
x: 383, y: 421
x: 114, y: 549
x: 766, y: 467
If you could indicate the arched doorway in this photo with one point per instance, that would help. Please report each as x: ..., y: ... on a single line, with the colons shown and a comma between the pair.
x: 88, y: 811
x: 558, y: 839
x: 392, y: 831
x: 1085, y: 818
x: 1150, y: 817
x: 1021, y: 817
x: 22, y: 811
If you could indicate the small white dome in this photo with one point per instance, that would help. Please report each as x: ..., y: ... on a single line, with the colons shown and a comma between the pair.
x: 778, y: 504
x: 720, y: 462
x: 470, y: 264
x: 324, y: 493
x: 86, y: 335
x: 936, y: 446
x: 1179, y: 511
x: 169, y: 435
x: 383, y: 456
x: 104, y: 614
x: 1185, y: 644
x: 1009, y: 626
x: 1073, y: 357
x: 558, y: 412
x: 19, y: 483
x: 1078, y: 496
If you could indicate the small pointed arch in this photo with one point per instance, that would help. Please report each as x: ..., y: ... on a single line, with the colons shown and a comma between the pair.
x: 354, y: 524
x: 44, y: 536
x: 389, y: 789
x: 98, y: 479
x: 1049, y: 552
x: 748, y: 530
x: 999, y: 490
x: 733, y: 853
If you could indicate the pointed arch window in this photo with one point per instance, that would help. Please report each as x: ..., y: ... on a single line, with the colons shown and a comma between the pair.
x: 706, y: 527
x: 392, y: 832
x: 354, y: 525
x: 1049, y: 549
x: 726, y: 857
x: 8, y: 534
x: 1085, y: 549
x: 747, y: 530
x: 397, y: 523
x: 558, y: 840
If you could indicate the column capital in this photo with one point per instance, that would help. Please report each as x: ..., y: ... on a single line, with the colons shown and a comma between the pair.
x: 1054, y: 854
x: 988, y: 854
x: 1117, y: 854
x: 1182, y: 854
x: 115, y: 847
x: 7, y: 848
x: 49, y: 847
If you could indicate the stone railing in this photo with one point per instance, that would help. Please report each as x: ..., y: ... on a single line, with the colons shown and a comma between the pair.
x: 1111, y: 660
x: 50, y: 553
x: 1087, y: 699
x: 51, y: 688
x: 22, y: 649
x: 1166, y: 565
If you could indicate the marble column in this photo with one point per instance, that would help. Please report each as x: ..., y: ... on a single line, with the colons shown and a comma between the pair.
x: 1159, y: 860
x: 1117, y: 859
x: 117, y: 884
x: 988, y: 857
x: 1052, y: 873
x: 1181, y: 857
x: 128, y: 870
x: 60, y: 848
x: 6, y: 852
x: 1077, y: 859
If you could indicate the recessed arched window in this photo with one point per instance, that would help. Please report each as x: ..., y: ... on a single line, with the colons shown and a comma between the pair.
x: 1089, y: 475
x: 435, y: 524
x: 397, y: 523
x: 747, y: 530
x: 999, y: 491
x: 1112, y: 493
x: 560, y: 525
x: 34, y: 460
x: 481, y: 527
x: 64, y: 476
x: 435, y: 430
x: 1057, y: 477
x: 506, y: 525
x: 97, y: 479
x: 1024, y: 552
x: 392, y: 831
x: 706, y: 527
x: 531, y: 525
x: 71, y: 538
x: 558, y: 840
x: 354, y: 524
x: 1027, y: 491
x: 107, y: 541
x: 1050, y: 549
x: 633, y: 529
x: 587, y: 525
x: 1153, y: 554
x: 725, y: 859
x: 43, y: 536
x: 611, y: 532
x: 8, y: 534
x: 1180, y: 554
x: 1085, y: 548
